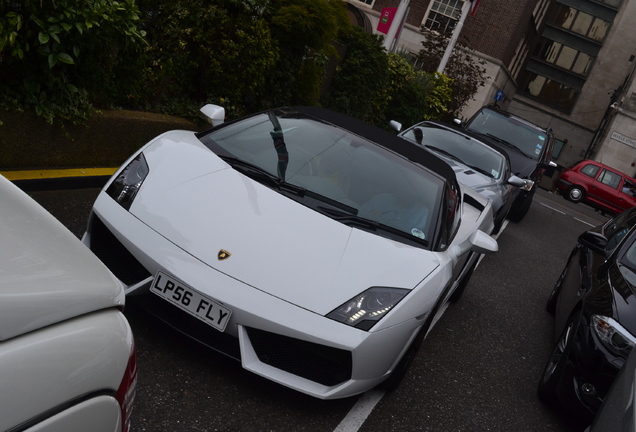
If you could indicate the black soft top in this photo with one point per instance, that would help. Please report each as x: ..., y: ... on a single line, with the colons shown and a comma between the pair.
x: 383, y: 138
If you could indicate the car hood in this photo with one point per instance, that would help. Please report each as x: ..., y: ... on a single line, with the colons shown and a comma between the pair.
x: 46, y: 274
x: 520, y: 164
x: 482, y: 184
x: 277, y: 245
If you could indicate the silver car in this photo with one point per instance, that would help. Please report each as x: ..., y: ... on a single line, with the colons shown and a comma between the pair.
x: 476, y: 164
x: 67, y: 355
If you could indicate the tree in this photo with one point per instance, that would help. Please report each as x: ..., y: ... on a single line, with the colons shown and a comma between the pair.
x: 466, y: 72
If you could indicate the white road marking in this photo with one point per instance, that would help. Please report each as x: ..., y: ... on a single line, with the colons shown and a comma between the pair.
x: 556, y: 210
x: 586, y: 223
x: 360, y: 411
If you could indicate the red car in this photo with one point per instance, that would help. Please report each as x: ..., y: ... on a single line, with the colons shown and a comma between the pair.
x: 598, y: 185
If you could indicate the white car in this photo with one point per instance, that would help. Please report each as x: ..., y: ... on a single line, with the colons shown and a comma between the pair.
x: 67, y: 356
x: 314, y: 248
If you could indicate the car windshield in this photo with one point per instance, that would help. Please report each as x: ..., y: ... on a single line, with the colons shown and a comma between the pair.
x: 529, y: 140
x: 616, y: 228
x: 308, y: 159
x: 458, y: 147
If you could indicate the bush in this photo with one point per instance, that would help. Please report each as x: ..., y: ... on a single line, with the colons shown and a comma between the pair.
x: 44, y: 47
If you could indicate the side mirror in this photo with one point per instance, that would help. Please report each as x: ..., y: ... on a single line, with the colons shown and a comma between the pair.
x: 483, y: 243
x: 395, y: 125
x: 214, y: 113
x: 479, y: 242
x: 594, y: 241
x: 457, y: 121
x: 550, y: 164
x: 516, y: 181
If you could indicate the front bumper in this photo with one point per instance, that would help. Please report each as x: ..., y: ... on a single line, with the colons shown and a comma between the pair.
x: 271, y: 337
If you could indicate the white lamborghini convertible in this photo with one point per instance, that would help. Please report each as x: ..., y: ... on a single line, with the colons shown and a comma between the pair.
x: 312, y: 247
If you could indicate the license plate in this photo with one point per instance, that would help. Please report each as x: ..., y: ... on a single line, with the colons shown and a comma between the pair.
x: 191, y: 301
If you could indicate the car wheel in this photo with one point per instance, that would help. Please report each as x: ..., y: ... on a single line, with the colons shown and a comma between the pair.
x: 396, y: 377
x: 553, y: 371
x: 575, y: 194
x: 550, y: 306
x: 520, y: 207
x: 457, y: 294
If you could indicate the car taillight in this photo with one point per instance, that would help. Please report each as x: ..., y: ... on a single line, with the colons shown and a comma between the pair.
x: 127, y: 389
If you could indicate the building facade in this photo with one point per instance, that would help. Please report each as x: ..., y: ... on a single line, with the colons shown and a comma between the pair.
x: 563, y: 64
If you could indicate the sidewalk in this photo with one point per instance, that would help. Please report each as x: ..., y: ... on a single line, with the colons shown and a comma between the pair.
x: 76, y: 178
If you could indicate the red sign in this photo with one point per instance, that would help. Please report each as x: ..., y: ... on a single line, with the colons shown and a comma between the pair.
x: 385, y: 19
x: 473, y: 7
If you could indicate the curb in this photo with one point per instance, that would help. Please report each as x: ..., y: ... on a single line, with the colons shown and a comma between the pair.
x: 76, y: 178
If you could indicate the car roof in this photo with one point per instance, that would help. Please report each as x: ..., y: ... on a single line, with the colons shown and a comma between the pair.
x: 383, y: 138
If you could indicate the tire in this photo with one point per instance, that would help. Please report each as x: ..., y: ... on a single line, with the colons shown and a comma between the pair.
x: 575, y: 194
x: 550, y: 306
x: 520, y: 207
x: 396, y: 377
x: 553, y: 370
x: 457, y: 294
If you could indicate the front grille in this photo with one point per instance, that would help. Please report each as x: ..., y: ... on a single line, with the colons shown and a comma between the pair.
x: 188, y: 325
x: 117, y: 258
x: 322, y: 364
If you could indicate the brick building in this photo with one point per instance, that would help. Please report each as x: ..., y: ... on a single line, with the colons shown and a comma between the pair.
x: 564, y: 64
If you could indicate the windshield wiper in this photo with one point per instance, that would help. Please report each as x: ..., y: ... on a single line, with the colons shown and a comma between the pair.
x: 444, y: 152
x: 262, y: 175
x: 480, y: 170
x: 507, y: 143
x: 353, y: 220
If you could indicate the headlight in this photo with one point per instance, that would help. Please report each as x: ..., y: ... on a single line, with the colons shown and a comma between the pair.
x: 124, y: 188
x: 528, y: 186
x: 366, y: 309
x: 613, y: 335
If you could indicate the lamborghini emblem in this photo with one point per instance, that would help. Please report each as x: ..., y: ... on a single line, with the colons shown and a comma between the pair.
x: 223, y: 255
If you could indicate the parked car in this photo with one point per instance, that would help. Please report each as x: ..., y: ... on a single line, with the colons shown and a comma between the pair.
x: 528, y: 146
x: 312, y: 247
x: 594, y: 304
x: 476, y: 164
x: 598, y: 185
x: 618, y: 410
x: 67, y: 354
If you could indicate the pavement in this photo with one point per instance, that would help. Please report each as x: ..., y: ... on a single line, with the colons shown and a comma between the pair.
x: 75, y: 178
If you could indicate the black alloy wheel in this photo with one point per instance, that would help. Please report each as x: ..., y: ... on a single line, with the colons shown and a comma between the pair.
x: 521, y: 206
x: 553, y: 371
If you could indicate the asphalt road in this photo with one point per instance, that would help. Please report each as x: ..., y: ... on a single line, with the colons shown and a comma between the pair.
x: 476, y: 371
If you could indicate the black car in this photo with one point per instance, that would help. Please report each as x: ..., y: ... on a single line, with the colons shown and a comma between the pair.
x: 594, y: 303
x: 528, y: 146
x: 618, y: 410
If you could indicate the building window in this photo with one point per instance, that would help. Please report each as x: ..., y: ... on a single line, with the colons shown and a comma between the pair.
x: 612, y: 3
x: 444, y: 15
x: 549, y: 91
x: 369, y: 2
x: 579, y: 22
x: 563, y: 56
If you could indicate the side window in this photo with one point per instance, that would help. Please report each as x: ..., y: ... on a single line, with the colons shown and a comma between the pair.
x: 629, y: 188
x: 451, y: 216
x: 610, y: 178
x: 590, y: 170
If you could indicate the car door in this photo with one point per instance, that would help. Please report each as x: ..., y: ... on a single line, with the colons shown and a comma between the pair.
x: 627, y: 194
x: 604, y: 190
